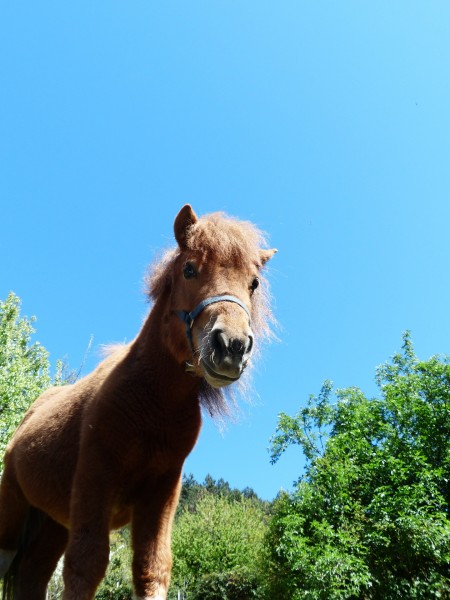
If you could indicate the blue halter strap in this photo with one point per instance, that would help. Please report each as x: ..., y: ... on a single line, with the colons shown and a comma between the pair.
x: 188, y: 318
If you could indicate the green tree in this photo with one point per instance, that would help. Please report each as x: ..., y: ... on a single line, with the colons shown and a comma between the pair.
x: 192, y: 492
x: 24, y: 368
x: 217, y: 549
x: 370, y: 516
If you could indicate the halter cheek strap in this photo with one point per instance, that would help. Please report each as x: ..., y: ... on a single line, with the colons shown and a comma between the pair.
x: 189, y: 317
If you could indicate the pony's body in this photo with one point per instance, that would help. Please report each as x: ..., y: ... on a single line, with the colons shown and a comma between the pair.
x: 67, y: 417
x: 109, y: 449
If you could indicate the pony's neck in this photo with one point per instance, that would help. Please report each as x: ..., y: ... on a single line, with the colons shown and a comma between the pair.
x: 152, y: 349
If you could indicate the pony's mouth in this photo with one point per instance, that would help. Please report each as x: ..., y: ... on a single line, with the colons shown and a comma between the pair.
x: 217, y: 379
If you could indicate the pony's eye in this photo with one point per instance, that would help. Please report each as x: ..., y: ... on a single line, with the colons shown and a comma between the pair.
x: 188, y: 271
x: 254, y: 285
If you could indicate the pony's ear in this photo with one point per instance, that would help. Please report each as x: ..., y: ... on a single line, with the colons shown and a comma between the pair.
x: 184, y: 219
x: 266, y: 255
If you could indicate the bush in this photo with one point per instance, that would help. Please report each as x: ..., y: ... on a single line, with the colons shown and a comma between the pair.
x: 217, y: 549
x: 370, y: 516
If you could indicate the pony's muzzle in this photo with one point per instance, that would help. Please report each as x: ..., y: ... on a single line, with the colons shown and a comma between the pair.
x: 225, y: 349
x: 229, y: 354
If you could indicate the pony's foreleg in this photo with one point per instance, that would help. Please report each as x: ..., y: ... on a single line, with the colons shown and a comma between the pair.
x: 86, y: 559
x: 151, y: 535
x: 13, y: 514
x: 87, y: 554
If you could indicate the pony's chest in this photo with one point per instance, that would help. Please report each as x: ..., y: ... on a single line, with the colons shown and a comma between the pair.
x: 163, y: 445
x: 147, y: 461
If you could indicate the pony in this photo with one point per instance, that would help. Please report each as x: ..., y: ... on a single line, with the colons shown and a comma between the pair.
x: 109, y: 449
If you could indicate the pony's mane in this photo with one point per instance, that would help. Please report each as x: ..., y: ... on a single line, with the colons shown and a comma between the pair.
x: 227, y: 241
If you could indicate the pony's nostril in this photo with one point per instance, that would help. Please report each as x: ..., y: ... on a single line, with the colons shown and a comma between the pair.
x: 219, y: 342
x: 250, y: 344
x: 236, y: 347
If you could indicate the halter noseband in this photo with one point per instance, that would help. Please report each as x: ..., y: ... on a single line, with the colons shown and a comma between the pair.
x: 188, y: 318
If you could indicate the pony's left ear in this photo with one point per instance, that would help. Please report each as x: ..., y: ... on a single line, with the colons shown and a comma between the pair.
x: 266, y: 255
x: 184, y: 219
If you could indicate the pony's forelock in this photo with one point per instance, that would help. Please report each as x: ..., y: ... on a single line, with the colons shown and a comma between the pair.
x: 226, y: 240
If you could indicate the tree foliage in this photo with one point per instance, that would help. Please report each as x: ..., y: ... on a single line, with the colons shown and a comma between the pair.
x: 369, y: 518
x: 217, y: 542
x: 192, y: 492
x: 117, y: 584
x: 24, y: 367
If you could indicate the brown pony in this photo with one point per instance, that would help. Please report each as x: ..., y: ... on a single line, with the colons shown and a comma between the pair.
x: 109, y: 449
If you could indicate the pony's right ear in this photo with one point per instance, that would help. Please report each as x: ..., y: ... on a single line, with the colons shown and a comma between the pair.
x: 184, y: 219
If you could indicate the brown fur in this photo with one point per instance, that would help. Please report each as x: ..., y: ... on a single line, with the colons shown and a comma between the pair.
x: 110, y: 448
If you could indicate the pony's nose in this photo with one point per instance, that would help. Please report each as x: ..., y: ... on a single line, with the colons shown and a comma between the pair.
x: 231, y: 348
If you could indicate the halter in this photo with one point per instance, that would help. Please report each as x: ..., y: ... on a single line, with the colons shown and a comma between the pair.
x: 188, y: 318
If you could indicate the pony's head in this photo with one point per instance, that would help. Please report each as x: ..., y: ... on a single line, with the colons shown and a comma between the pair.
x: 215, y: 297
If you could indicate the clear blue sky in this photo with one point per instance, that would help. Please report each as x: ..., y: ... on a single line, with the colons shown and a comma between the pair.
x: 326, y: 123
